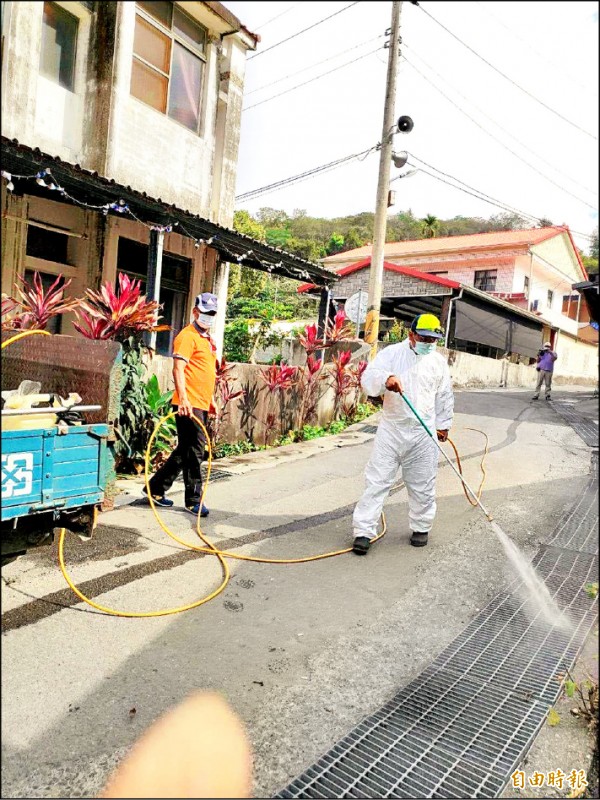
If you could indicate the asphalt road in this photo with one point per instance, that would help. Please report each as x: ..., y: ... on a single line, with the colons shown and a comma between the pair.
x: 302, y: 652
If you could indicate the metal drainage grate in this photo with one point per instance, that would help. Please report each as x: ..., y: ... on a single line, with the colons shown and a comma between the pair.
x: 443, y: 735
x: 215, y: 474
x: 369, y: 429
x: 461, y: 727
x: 508, y: 648
x: 586, y: 428
x: 578, y: 530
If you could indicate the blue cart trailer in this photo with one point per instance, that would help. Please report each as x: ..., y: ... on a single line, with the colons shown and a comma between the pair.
x: 59, y: 473
x: 51, y: 478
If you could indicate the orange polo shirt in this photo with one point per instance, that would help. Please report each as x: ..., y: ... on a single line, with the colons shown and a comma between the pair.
x: 200, y: 355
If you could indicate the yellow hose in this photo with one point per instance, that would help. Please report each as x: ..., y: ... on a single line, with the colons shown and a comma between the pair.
x: 481, y: 467
x: 209, y: 549
x: 22, y: 335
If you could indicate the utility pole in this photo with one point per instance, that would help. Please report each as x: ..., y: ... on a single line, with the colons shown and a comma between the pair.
x: 383, y: 185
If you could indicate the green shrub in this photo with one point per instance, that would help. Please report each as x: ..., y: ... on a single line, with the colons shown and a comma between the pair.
x: 237, y: 343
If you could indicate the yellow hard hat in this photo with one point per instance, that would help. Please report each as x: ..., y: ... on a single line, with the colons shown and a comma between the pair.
x: 427, y: 325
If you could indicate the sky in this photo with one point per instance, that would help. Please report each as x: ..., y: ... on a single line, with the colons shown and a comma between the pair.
x: 550, y: 49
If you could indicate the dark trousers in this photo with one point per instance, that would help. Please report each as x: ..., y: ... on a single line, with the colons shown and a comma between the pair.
x: 187, y: 458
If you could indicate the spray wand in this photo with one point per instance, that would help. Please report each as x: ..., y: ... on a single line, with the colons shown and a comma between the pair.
x: 443, y: 452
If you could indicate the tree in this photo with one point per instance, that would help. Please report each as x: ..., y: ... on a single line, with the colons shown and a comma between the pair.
x: 309, y: 249
x: 353, y: 239
x: 271, y: 217
x: 507, y: 222
x: 430, y: 226
x: 242, y: 279
x: 335, y: 244
x: 278, y: 237
x: 590, y: 264
x: 244, y: 223
x: 594, y: 245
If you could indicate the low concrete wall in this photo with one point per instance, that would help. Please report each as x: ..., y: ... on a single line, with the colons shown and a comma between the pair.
x: 259, y: 416
x: 467, y: 370
x: 292, y: 352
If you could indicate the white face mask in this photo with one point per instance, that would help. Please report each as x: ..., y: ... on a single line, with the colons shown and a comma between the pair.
x: 424, y: 348
x: 206, y: 320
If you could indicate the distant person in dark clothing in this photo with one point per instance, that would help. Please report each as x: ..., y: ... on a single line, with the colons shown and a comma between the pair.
x: 545, y: 367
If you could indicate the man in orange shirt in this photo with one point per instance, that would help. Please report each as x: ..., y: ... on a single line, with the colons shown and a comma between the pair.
x: 194, y: 373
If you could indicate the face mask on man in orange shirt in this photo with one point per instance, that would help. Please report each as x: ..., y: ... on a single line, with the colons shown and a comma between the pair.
x: 205, y: 310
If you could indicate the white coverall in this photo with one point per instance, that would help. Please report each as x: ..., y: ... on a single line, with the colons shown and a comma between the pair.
x: 401, y: 440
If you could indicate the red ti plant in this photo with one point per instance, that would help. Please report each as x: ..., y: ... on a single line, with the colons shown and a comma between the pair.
x: 224, y: 394
x: 351, y: 402
x: 309, y: 340
x: 340, y: 328
x: 8, y: 306
x: 308, y: 388
x: 278, y: 377
x: 342, y: 379
x: 37, y: 306
x: 278, y: 380
x: 117, y: 313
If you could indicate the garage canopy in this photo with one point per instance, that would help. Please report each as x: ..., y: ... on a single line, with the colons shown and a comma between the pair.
x: 497, y: 327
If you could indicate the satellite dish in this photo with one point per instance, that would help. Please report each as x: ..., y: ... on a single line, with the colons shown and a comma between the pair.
x: 356, y: 307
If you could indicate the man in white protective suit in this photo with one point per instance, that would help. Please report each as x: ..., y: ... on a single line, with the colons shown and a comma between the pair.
x: 414, y: 368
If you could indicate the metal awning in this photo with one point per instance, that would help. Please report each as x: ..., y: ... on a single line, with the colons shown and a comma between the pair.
x: 94, y: 189
x: 496, y: 327
x: 591, y: 294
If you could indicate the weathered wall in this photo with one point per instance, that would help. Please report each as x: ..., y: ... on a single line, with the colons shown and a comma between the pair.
x: 467, y: 370
x: 36, y: 111
x: 248, y: 418
x: 575, y: 359
x: 394, y: 285
x: 102, y: 127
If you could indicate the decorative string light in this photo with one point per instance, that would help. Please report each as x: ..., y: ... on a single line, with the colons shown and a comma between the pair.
x: 8, y: 177
x: 45, y: 179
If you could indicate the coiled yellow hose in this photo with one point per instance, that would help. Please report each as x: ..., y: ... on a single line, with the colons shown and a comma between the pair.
x: 209, y: 548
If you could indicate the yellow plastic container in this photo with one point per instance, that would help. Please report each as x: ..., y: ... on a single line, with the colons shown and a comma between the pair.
x: 27, y: 422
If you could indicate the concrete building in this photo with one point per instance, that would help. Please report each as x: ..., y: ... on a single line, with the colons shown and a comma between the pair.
x: 134, y: 108
x: 524, y: 276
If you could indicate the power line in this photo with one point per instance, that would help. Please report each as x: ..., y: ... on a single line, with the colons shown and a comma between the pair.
x: 310, y: 27
x: 441, y: 77
x: 311, y: 80
x: 312, y: 66
x: 304, y: 175
x: 269, y: 21
x: 479, y: 194
x: 506, y: 77
x: 559, y: 69
x: 500, y: 142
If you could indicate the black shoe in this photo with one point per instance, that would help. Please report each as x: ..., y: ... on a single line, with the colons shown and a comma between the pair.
x: 361, y: 545
x: 160, y: 501
x: 419, y: 539
x: 196, y: 509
